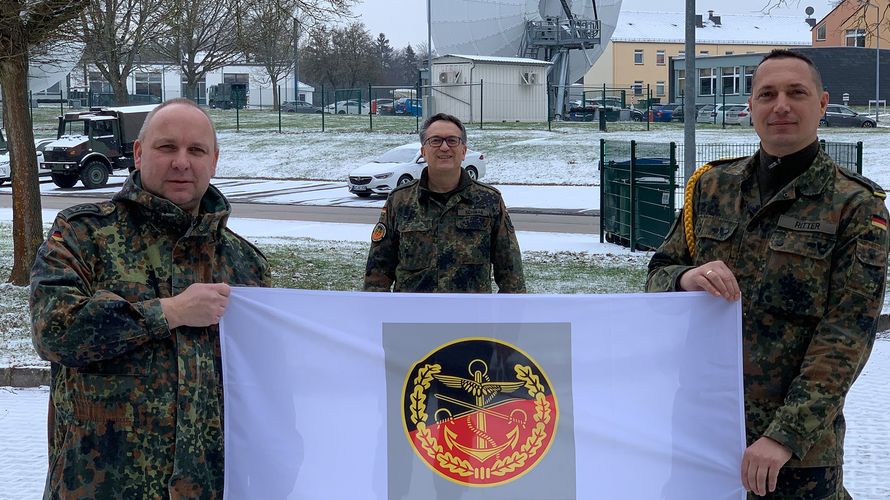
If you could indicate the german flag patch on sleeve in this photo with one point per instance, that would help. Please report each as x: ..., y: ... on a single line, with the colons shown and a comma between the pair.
x: 879, y: 222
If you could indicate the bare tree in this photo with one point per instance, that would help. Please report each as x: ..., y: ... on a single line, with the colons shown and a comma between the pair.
x: 115, y: 33
x: 200, y: 36
x: 24, y: 26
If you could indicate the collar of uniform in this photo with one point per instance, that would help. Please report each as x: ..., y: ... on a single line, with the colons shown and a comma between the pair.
x: 462, y: 183
x: 212, y: 216
x: 814, y: 179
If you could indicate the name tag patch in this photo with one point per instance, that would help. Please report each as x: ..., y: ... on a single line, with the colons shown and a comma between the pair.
x: 811, y: 226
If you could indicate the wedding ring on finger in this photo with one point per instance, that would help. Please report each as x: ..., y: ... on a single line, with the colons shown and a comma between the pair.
x: 709, y: 273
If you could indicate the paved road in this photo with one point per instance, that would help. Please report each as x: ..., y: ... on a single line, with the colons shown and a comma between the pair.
x: 570, y: 221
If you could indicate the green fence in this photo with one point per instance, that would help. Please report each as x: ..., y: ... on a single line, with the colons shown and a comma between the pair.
x: 641, y: 184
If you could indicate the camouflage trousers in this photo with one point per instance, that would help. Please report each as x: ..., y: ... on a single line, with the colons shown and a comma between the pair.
x: 808, y: 483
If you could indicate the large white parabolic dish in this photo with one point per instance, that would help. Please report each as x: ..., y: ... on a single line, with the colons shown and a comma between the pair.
x: 497, y: 27
x: 46, y: 70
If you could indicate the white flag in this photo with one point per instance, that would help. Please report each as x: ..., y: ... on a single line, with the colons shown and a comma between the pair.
x: 343, y: 395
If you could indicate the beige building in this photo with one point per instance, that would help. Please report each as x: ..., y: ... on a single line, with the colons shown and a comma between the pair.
x: 639, y: 51
x: 852, y: 24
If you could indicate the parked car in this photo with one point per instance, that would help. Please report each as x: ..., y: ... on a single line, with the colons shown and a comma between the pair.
x: 348, y: 106
x: 677, y: 113
x: 661, y: 112
x: 408, y: 106
x: 5, y: 167
x: 738, y: 115
x: 379, y: 104
x: 842, y: 116
x: 581, y: 114
x: 710, y: 113
x: 299, y: 107
x: 402, y: 165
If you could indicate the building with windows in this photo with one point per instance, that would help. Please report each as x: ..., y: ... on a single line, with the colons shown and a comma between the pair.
x: 639, y: 53
x: 156, y: 82
x: 848, y: 74
x: 852, y: 24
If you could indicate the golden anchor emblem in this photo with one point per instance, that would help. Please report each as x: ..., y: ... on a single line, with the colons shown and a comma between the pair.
x: 483, y: 391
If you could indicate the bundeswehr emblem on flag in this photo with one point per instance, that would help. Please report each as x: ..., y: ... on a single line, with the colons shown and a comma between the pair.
x: 479, y: 411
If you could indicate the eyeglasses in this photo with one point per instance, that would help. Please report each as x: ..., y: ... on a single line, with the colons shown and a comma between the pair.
x: 436, y: 141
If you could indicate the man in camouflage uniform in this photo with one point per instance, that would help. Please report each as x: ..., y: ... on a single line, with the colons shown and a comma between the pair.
x: 804, y: 243
x: 126, y: 296
x: 444, y: 232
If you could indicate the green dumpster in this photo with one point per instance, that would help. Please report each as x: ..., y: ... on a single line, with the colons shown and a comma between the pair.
x: 654, y: 214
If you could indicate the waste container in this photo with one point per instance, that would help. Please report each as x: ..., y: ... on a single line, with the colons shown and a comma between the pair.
x: 616, y: 202
x: 655, y: 213
x: 649, y: 220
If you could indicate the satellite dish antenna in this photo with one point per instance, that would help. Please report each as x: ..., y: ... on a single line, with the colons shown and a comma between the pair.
x: 52, y: 67
x: 502, y: 28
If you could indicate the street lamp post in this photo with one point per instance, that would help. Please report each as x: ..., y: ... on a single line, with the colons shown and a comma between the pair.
x: 866, y: 4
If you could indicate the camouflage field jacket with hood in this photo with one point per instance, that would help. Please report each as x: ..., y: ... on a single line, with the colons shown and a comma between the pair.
x: 811, y: 265
x: 136, y: 409
x: 421, y: 245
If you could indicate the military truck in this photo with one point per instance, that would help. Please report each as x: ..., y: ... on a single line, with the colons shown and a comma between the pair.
x: 91, y: 144
x: 227, y: 95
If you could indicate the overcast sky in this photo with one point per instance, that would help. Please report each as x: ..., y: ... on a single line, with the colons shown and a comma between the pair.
x: 404, y: 21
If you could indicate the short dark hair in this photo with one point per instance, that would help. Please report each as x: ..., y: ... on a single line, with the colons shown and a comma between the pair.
x: 790, y: 54
x: 446, y: 117
x: 178, y: 100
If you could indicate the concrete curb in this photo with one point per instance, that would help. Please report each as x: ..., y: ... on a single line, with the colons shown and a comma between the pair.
x: 34, y: 377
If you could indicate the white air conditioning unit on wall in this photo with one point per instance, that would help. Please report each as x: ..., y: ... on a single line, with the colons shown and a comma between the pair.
x: 528, y: 78
x: 449, y: 77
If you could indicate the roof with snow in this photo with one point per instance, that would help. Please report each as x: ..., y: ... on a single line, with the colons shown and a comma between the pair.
x: 740, y: 29
x: 492, y: 59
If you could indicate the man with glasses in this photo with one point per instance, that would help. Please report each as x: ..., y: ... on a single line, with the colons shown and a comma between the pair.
x: 444, y: 232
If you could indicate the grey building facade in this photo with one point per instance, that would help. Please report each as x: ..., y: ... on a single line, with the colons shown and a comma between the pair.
x: 727, y: 78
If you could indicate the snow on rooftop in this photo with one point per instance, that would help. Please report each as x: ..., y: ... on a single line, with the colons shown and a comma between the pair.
x: 493, y: 59
x: 742, y: 29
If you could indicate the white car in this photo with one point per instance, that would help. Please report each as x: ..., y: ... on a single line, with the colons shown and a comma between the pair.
x: 399, y: 166
x: 349, y: 106
x: 711, y: 114
x: 5, y: 167
x: 738, y: 114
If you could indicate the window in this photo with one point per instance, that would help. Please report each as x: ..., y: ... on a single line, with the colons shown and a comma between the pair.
x: 730, y: 80
x: 707, y: 81
x: 749, y: 78
x: 236, y: 78
x: 704, y: 52
x: 201, y: 90
x: 682, y: 52
x: 637, y: 87
x: 638, y: 56
x: 855, y: 38
x: 820, y: 33
x: 148, y: 83
x: 728, y: 53
x: 98, y: 84
x: 659, y: 89
x: 659, y: 57
x: 681, y: 83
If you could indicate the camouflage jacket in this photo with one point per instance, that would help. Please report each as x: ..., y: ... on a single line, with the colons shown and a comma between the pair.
x: 811, y: 264
x: 422, y: 246
x: 136, y: 409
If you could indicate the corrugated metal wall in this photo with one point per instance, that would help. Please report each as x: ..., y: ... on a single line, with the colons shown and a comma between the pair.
x: 508, y: 92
